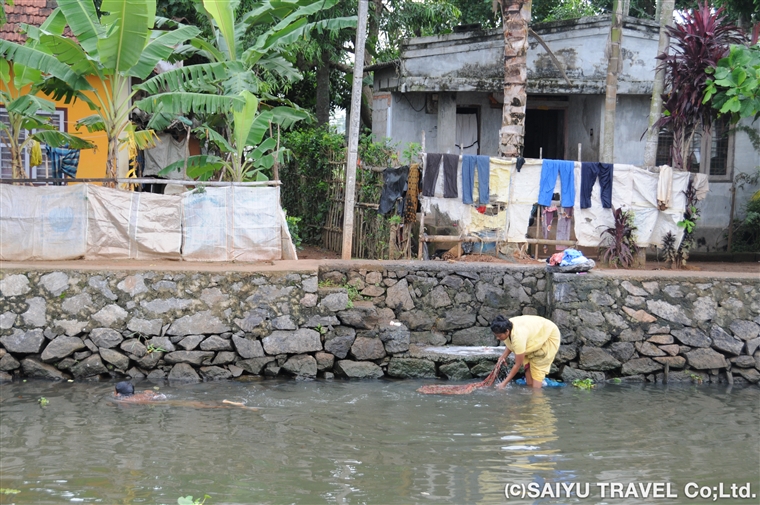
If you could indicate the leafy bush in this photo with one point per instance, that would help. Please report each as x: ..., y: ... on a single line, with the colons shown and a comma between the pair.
x: 746, y: 237
x: 305, y: 180
x: 619, y: 247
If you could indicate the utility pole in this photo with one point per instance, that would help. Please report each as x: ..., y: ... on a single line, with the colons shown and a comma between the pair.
x: 353, y: 131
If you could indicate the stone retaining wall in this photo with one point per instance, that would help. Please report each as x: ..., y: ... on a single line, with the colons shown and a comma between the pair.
x: 644, y: 328
x: 367, y: 320
x: 348, y: 320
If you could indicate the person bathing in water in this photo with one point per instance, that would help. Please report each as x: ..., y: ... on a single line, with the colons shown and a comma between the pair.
x: 125, y: 393
x: 534, y: 340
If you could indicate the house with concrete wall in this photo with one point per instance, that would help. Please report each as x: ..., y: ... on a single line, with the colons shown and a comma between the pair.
x: 451, y: 88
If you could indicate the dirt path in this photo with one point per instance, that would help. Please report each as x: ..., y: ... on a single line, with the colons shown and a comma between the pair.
x: 310, y: 258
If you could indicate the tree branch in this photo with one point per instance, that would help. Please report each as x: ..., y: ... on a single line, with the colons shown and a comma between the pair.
x: 551, y: 55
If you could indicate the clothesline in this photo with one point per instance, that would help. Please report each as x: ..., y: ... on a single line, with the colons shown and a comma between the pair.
x: 634, y: 189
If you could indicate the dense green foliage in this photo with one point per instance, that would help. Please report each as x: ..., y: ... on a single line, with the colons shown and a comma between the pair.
x: 305, y: 179
x: 735, y: 86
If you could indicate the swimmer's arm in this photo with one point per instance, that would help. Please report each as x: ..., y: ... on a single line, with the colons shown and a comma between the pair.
x: 519, y: 359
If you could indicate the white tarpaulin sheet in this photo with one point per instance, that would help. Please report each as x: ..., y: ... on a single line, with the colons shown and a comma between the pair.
x: 633, y: 189
x: 43, y: 223
x: 522, y: 196
x: 232, y: 224
x: 129, y: 225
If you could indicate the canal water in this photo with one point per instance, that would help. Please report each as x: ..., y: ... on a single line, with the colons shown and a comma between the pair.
x: 376, y: 442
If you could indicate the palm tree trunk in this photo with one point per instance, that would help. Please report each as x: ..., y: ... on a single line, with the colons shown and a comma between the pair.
x: 323, y: 89
x: 655, y: 108
x: 515, y: 18
x: 619, y: 9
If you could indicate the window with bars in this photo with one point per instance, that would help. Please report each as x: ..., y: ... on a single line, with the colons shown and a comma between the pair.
x: 58, y: 119
x: 716, y: 143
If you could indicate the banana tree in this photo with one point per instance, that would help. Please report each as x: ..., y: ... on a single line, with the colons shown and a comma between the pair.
x: 232, y: 79
x: 26, y: 111
x: 112, y: 49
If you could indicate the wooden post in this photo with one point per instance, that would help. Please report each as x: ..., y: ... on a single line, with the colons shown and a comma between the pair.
x: 420, y: 243
x: 538, y: 227
x: 353, y: 131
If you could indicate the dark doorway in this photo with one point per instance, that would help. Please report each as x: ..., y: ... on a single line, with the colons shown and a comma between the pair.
x: 545, y: 128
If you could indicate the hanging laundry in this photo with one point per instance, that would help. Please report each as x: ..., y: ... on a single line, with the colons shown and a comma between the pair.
x: 411, y: 201
x: 664, y: 187
x: 549, y: 213
x: 450, y: 164
x: 164, y: 153
x: 430, y: 175
x: 564, y: 226
x: 549, y: 171
x: 589, y: 173
x: 394, y: 181
x: 520, y: 163
x: 35, y: 157
x: 469, y: 164
x: 64, y: 161
x: 701, y: 186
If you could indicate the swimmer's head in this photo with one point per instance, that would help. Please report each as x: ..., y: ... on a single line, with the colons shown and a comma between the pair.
x: 125, y: 388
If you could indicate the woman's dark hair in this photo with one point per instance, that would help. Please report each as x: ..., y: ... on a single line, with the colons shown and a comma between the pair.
x: 125, y: 388
x: 501, y: 324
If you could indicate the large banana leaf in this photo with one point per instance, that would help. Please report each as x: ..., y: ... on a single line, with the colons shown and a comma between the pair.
x: 259, y: 128
x: 240, y: 80
x: 128, y: 32
x: 216, y: 138
x: 180, y: 79
x: 160, y: 49
x: 212, y: 53
x: 45, y: 63
x: 281, y: 67
x: 83, y: 21
x: 93, y: 123
x: 243, y: 120
x: 29, y: 105
x: 70, y: 53
x: 186, y: 103
x: 5, y: 70
x: 199, y: 166
x: 55, y: 138
x: 223, y: 12
x: 288, y: 116
x: 55, y: 22
x: 269, y: 12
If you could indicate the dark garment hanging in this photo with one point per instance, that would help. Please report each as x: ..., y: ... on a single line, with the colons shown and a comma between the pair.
x: 63, y: 160
x: 589, y: 172
x: 520, y: 163
x: 450, y: 162
x: 429, y: 178
x: 393, y: 188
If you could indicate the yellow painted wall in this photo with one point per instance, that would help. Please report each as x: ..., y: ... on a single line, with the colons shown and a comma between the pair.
x: 92, y: 162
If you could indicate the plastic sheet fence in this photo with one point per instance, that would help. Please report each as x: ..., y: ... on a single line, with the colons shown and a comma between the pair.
x: 43, y: 223
x: 215, y: 224
x: 232, y: 224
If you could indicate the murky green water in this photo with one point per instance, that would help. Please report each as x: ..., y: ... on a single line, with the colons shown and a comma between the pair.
x: 370, y: 442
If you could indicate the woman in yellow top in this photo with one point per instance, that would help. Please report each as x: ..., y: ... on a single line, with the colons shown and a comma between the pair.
x: 534, y: 340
